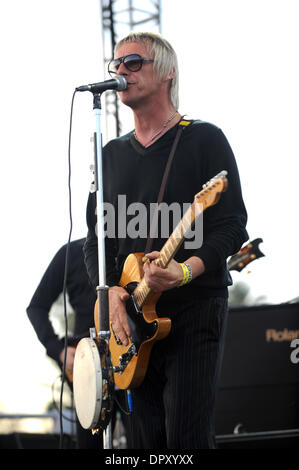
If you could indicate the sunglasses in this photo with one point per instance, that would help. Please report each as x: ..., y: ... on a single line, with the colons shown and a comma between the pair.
x: 132, y: 62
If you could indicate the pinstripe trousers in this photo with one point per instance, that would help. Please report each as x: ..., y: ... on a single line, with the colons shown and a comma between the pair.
x: 174, y: 406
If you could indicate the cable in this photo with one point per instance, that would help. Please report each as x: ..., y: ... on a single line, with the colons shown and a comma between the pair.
x: 65, y: 273
x: 57, y: 408
x: 127, y: 413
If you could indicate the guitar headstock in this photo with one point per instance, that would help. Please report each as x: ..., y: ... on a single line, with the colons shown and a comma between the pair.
x: 246, y: 255
x: 211, y: 192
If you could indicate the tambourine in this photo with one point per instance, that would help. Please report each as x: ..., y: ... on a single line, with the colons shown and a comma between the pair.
x: 93, y: 384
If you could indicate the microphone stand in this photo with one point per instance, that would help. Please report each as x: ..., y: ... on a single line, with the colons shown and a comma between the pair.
x: 102, y: 288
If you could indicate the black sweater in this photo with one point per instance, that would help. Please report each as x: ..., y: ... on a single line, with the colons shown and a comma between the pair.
x: 81, y: 296
x: 134, y: 171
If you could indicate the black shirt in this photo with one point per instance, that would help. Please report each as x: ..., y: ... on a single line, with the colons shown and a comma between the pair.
x: 80, y: 292
x: 136, y: 172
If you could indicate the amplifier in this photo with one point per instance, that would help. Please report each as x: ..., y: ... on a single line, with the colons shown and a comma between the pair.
x: 259, y: 381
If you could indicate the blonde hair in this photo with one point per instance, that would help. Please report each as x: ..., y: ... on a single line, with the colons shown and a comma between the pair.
x: 165, y: 58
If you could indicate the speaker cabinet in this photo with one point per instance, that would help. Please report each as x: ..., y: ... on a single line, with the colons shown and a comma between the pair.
x: 259, y: 383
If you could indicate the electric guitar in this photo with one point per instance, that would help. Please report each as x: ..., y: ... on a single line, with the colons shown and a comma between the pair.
x: 130, y: 362
x: 246, y: 255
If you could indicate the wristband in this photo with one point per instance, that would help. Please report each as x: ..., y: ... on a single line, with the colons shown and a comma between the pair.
x: 187, y: 274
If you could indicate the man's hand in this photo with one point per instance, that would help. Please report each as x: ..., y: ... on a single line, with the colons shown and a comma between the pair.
x: 70, y: 356
x: 159, y: 279
x: 117, y: 313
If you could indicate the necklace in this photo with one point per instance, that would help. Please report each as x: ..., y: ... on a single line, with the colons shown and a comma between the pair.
x: 159, y: 131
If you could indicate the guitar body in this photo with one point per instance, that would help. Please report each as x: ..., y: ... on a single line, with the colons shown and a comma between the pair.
x: 146, y: 329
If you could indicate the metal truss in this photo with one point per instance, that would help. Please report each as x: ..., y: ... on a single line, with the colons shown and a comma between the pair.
x: 119, y: 17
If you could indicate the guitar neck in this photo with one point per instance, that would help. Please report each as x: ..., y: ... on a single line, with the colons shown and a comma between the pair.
x: 168, y: 251
x: 209, y: 196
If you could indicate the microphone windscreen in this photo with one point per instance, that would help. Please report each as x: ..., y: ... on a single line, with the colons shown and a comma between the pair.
x: 122, y: 82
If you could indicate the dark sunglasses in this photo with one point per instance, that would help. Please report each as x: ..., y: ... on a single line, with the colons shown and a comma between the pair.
x: 132, y: 62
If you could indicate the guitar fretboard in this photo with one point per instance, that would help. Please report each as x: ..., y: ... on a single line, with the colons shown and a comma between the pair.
x: 169, y: 250
x: 207, y: 197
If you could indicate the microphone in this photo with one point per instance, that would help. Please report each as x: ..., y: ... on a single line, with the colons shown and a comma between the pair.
x: 118, y: 83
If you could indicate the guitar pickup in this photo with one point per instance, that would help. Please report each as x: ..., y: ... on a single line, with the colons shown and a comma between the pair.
x: 125, y: 358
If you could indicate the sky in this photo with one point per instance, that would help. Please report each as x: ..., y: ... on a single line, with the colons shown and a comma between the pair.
x: 238, y: 69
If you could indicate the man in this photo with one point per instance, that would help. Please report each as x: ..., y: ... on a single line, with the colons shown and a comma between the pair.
x: 82, y: 299
x: 174, y: 406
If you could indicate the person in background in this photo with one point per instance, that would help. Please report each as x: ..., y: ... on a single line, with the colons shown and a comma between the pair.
x: 82, y: 297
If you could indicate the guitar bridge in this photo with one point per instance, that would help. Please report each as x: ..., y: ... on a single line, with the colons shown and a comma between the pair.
x: 125, y: 358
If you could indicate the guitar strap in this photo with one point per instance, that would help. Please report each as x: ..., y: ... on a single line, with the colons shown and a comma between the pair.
x: 182, y: 125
